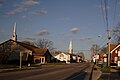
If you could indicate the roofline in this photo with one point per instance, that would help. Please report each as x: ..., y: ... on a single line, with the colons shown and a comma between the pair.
x: 115, y: 48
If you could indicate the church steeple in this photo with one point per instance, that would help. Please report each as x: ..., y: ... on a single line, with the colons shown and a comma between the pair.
x: 70, y: 49
x: 14, y: 37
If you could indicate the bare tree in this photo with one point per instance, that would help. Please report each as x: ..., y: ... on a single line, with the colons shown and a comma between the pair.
x: 103, y: 50
x: 116, y: 34
x: 44, y: 43
x: 28, y: 42
x: 82, y: 55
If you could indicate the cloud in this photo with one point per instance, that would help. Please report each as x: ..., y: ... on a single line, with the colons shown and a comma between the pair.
x: 43, y: 32
x: 16, y: 10
x: 22, y: 6
x: 74, y: 30
x: 40, y: 12
x: 24, y: 16
x: 26, y: 38
x: 30, y: 2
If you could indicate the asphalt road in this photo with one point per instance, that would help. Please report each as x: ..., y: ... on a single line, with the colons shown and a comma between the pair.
x: 55, y: 72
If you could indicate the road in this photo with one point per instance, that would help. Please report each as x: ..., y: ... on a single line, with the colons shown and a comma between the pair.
x: 54, y: 72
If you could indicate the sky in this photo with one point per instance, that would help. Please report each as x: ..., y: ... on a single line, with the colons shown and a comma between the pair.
x: 82, y: 21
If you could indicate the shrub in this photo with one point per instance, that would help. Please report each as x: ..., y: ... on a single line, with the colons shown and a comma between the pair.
x: 105, y: 69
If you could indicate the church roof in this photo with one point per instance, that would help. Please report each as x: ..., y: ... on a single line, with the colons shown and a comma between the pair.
x: 34, y: 49
x: 56, y: 53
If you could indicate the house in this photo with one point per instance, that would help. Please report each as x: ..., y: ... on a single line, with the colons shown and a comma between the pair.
x: 115, y: 53
x: 42, y: 56
x: 12, y: 49
x: 76, y: 58
x: 67, y: 57
x: 102, y: 58
x: 73, y: 58
x: 79, y: 58
x: 62, y: 57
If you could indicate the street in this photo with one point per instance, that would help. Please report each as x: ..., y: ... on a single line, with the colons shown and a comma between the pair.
x: 55, y: 72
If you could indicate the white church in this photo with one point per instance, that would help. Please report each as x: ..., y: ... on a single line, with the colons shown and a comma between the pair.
x: 67, y: 57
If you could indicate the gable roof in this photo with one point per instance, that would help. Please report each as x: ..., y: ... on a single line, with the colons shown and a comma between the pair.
x: 56, y: 53
x: 118, y: 45
x: 67, y: 53
x: 112, y: 46
x: 38, y: 51
x: 34, y: 49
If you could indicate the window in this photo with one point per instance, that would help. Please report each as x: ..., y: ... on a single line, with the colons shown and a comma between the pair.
x: 116, y: 51
x: 119, y: 53
x: 42, y: 60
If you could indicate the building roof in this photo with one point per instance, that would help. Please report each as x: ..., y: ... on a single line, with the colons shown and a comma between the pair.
x: 112, y: 46
x: 38, y: 51
x: 115, y: 47
x: 56, y: 53
x: 34, y: 49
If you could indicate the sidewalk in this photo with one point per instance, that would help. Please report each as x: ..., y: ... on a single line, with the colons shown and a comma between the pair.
x: 96, y: 73
x: 92, y: 73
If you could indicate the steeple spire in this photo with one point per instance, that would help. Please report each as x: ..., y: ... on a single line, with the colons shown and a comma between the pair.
x: 70, y: 49
x: 14, y: 37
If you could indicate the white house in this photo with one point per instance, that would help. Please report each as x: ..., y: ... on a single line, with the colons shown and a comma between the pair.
x: 63, y: 56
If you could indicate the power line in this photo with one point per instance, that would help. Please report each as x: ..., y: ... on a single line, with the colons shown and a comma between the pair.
x: 103, y: 42
x: 114, y: 16
x: 106, y: 13
x: 103, y: 11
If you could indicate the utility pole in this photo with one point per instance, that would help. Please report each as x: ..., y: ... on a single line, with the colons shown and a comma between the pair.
x: 109, y: 48
x: 109, y: 44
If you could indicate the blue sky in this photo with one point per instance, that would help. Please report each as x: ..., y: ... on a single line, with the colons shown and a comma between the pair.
x: 59, y: 21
